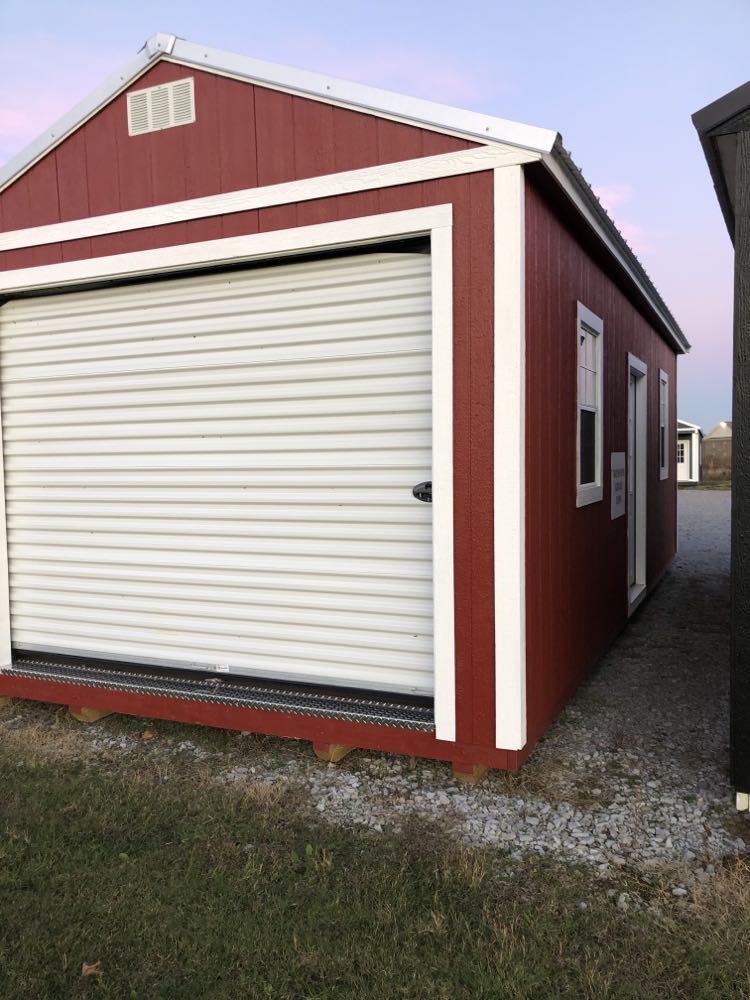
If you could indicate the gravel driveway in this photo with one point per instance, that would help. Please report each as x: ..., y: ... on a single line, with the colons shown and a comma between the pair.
x: 634, y: 773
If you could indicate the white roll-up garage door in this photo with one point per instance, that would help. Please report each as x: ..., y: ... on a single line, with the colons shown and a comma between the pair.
x: 216, y: 471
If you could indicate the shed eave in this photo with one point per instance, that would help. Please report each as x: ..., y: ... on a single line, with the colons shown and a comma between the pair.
x: 472, y: 124
x: 717, y: 127
x: 570, y: 179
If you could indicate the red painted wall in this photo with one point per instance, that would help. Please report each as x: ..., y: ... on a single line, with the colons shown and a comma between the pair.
x: 277, y: 138
x: 244, y: 136
x: 576, y: 558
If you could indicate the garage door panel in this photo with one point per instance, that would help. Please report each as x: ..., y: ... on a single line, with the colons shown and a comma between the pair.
x: 64, y: 435
x: 380, y: 677
x: 219, y: 295
x: 216, y: 472
x: 339, y: 588
x: 35, y: 598
x: 380, y: 613
x: 305, y: 443
x: 221, y: 528
x: 313, y: 335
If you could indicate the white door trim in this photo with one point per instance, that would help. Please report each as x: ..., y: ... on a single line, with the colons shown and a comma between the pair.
x: 510, y: 461
x: 393, y: 225
x: 435, y: 222
x: 637, y: 591
x: 423, y: 168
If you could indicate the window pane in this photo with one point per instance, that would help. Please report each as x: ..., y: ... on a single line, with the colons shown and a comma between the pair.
x: 588, y: 447
x: 662, y: 447
x: 590, y: 399
x: 582, y: 386
x: 590, y: 352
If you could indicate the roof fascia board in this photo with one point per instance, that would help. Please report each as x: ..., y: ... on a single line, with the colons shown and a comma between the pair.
x: 425, y: 168
x: 559, y: 165
x: 483, y: 128
x: 85, y: 109
x: 372, y: 99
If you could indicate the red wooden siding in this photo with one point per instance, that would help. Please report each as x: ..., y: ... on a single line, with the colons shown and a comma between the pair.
x: 244, y: 136
x: 274, y: 138
x: 576, y: 558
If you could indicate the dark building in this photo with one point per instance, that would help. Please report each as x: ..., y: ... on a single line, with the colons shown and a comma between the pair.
x: 724, y: 130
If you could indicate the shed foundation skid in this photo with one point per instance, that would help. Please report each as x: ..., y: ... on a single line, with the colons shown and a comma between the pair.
x: 310, y: 395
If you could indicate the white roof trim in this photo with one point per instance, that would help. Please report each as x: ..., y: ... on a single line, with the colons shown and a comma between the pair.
x: 480, y: 128
x: 484, y: 128
x: 156, y: 46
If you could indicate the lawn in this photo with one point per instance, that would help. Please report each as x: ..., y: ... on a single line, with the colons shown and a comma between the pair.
x: 180, y: 888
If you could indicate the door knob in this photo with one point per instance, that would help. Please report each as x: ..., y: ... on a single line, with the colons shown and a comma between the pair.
x: 423, y: 492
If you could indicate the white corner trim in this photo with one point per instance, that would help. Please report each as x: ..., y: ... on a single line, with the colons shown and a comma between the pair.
x: 237, y: 248
x: 436, y: 222
x: 330, y: 185
x: 637, y: 591
x: 509, y: 460
x: 442, y: 483
x: 5, y: 644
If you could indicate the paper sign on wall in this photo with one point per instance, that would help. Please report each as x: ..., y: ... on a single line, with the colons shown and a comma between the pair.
x: 618, y: 483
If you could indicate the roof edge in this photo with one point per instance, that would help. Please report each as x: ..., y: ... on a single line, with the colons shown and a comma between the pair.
x: 153, y: 49
x: 618, y: 245
x: 473, y: 124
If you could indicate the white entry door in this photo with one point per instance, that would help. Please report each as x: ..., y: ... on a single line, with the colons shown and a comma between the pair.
x: 637, y: 477
x: 216, y: 471
x: 683, y: 459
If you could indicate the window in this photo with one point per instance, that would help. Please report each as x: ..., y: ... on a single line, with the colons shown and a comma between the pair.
x: 664, y: 447
x: 680, y: 452
x: 589, y: 336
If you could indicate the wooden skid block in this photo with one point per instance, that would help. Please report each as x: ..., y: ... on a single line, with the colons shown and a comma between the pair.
x: 331, y: 752
x: 88, y: 714
x: 469, y: 774
x: 5, y: 701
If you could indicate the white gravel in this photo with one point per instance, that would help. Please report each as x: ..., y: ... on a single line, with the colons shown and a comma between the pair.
x: 633, y: 774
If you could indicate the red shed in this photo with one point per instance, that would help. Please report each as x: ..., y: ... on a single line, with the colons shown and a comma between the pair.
x: 326, y: 413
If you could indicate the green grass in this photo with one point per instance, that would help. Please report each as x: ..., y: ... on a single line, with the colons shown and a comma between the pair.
x: 182, y: 889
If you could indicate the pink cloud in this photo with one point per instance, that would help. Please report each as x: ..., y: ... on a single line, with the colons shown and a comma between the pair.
x: 613, y: 196
x: 413, y: 72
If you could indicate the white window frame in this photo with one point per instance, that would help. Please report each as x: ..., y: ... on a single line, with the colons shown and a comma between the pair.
x: 587, y: 493
x: 435, y: 222
x: 680, y: 452
x: 664, y: 423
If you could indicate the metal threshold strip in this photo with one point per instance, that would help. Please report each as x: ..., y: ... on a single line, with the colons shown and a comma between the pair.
x: 239, y: 694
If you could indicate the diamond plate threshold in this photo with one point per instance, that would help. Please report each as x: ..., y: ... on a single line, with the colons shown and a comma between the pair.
x: 237, y: 693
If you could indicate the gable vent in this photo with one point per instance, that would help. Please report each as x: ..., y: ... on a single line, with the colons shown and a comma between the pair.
x: 165, y: 106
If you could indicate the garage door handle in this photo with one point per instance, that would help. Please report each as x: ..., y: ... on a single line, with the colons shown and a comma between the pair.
x: 423, y: 492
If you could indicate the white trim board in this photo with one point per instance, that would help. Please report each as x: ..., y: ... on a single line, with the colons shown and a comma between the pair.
x: 435, y: 222
x: 330, y: 185
x: 392, y: 225
x: 637, y: 591
x: 509, y: 460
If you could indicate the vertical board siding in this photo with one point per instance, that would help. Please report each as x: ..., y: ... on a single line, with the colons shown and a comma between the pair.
x: 244, y: 136
x: 576, y: 558
x: 359, y: 140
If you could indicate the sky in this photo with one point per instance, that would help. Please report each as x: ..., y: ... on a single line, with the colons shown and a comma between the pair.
x: 618, y: 80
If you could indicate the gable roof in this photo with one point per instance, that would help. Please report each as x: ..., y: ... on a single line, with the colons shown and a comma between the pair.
x: 685, y: 425
x: 485, y: 129
x: 722, y: 430
x: 717, y: 125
